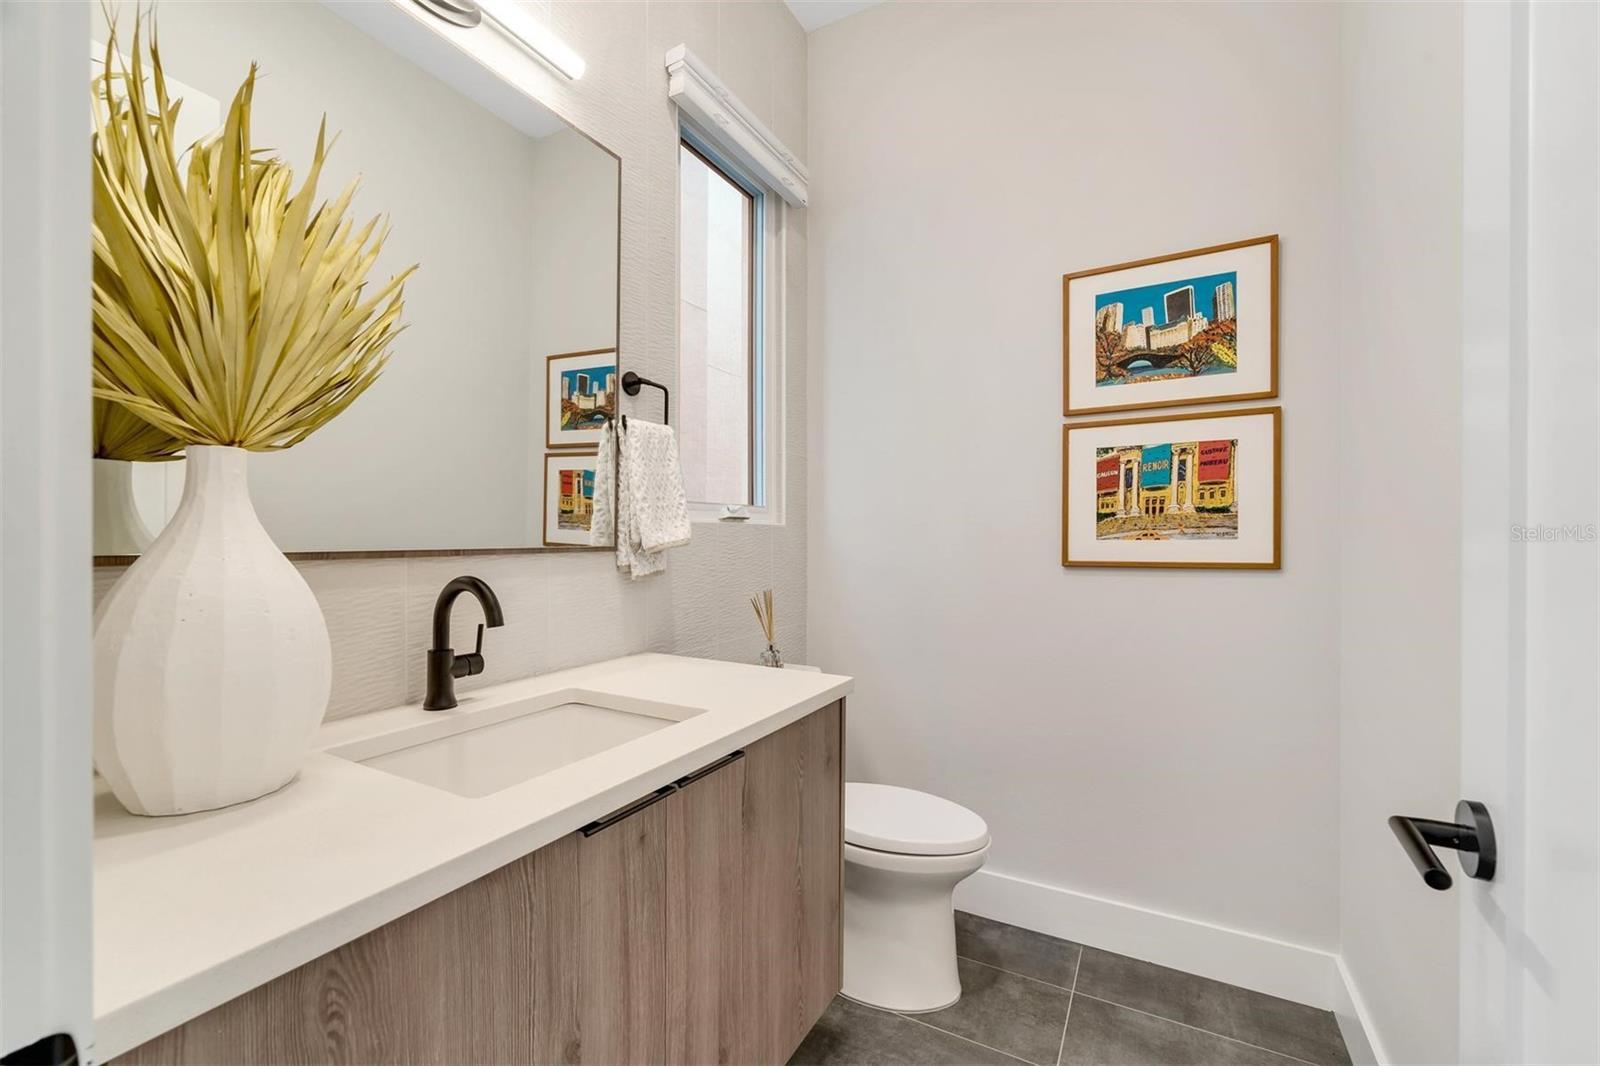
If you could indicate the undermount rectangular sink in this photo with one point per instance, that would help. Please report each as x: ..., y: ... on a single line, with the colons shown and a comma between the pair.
x: 480, y: 753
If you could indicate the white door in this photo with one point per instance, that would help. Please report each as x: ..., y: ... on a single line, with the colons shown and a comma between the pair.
x: 1530, y: 939
x: 44, y: 531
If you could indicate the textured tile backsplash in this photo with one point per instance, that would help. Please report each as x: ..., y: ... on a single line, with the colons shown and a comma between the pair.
x: 567, y: 609
x: 560, y: 611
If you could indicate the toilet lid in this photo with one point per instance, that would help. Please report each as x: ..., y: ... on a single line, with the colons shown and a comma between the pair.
x: 903, y: 821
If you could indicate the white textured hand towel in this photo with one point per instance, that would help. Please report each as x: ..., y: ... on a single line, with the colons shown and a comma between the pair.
x: 651, y: 510
x: 602, y: 511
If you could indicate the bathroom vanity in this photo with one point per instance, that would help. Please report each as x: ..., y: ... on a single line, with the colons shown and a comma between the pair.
x: 671, y: 897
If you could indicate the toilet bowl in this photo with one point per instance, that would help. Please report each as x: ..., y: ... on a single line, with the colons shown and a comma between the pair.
x: 904, y: 853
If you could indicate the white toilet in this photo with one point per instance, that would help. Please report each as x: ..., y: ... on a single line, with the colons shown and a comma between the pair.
x: 904, y: 853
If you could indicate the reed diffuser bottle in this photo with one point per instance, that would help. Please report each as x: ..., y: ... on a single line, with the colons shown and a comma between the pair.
x: 762, y: 602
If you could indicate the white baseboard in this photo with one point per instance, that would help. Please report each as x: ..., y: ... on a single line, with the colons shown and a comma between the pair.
x: 1277, y: 967
x: 1355, y: 1024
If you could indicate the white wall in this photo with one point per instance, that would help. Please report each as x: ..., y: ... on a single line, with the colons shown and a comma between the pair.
x: 1212, y: 746
x: 1165, y: 740
x: 1400, y: 407
x: 565, y: 609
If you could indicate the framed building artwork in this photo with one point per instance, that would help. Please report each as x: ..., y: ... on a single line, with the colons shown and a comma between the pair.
x: 1193, y: 327
x: 1194, y: 490
x: 580, y: 394
x: 568, y: 498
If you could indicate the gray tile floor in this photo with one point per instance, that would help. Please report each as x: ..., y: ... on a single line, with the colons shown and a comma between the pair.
x: 1027, y: 997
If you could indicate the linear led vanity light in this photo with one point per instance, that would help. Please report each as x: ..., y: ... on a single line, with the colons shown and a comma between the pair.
x: 508, y: 17
x: 533, y: 35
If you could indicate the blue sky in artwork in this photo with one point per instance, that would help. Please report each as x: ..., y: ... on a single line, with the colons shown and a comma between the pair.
x: 1134, y: 301
x: 596, y: 374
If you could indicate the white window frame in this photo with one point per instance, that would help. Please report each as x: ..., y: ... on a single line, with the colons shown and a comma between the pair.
x: 719, y: 126
x: 766, y: 337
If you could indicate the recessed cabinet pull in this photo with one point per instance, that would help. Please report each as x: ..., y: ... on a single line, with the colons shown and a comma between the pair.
x: 629, y: 811
x: 709, y: 769
x: 659, y: 794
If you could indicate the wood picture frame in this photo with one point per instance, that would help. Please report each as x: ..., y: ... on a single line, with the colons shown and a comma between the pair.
x: 1195, y: 526
x: 589, y: 368
x: 551, y: 531
x: 1190, y: 365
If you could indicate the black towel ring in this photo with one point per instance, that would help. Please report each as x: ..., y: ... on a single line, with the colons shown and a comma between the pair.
x: 631, y: 383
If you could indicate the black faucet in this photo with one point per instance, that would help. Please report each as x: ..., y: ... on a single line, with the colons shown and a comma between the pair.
x: 444, y: 665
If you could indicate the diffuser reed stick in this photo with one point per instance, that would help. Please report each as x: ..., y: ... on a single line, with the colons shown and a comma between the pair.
x: 767, y: 617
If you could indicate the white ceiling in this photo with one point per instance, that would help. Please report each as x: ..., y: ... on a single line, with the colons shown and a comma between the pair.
x: 814, y: 14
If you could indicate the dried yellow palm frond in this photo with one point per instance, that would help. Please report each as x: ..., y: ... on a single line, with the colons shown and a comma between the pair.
x: 119, y: 434
x: 228, y: 308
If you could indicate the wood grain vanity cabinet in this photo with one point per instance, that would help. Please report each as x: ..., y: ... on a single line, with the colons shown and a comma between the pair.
x: 700, y: 925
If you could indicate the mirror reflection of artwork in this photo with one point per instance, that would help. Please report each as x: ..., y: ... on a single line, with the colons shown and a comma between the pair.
x: 1194, y: 327
x: 1195, y: 490
x: 568, y: 498
x: 581, y: 394
x: 445, y: 451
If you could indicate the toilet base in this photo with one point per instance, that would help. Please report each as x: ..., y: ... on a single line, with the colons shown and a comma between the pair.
x: 899, y: 928
x: 902, y: 1010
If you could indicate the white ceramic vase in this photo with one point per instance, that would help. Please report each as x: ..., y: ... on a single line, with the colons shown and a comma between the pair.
x: 118, y: 529
x: 211, y: 658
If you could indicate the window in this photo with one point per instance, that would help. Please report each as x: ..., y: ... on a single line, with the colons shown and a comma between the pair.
x: 721, y: 372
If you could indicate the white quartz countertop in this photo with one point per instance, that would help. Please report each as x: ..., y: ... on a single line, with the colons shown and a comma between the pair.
x: 191, y: 911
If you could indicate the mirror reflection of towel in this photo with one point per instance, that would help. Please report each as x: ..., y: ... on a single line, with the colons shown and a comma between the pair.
x: 638, y: 497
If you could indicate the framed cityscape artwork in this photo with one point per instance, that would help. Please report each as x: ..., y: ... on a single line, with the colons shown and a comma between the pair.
x: 568, y: 498
x: 580, y: 394
x: 1194, y: 327
x: 1199, y: 490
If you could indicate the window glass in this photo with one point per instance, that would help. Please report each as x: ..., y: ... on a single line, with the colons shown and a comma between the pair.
x: 717, y: 344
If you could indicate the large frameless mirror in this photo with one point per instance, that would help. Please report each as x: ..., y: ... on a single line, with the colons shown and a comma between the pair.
x: 481, y: 431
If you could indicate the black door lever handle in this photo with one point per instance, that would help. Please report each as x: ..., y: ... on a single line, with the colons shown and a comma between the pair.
x: 1471, y: 835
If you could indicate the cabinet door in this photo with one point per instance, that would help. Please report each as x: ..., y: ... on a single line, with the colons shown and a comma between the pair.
x: 706, y: 920
x: 486, y: 974
x: 793, y: 845
x: 622, y: 981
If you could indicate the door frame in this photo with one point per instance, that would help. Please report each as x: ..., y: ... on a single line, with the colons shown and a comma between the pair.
x: 1531, y: 239
x: 1493, y: 385
x: 46, y: 816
